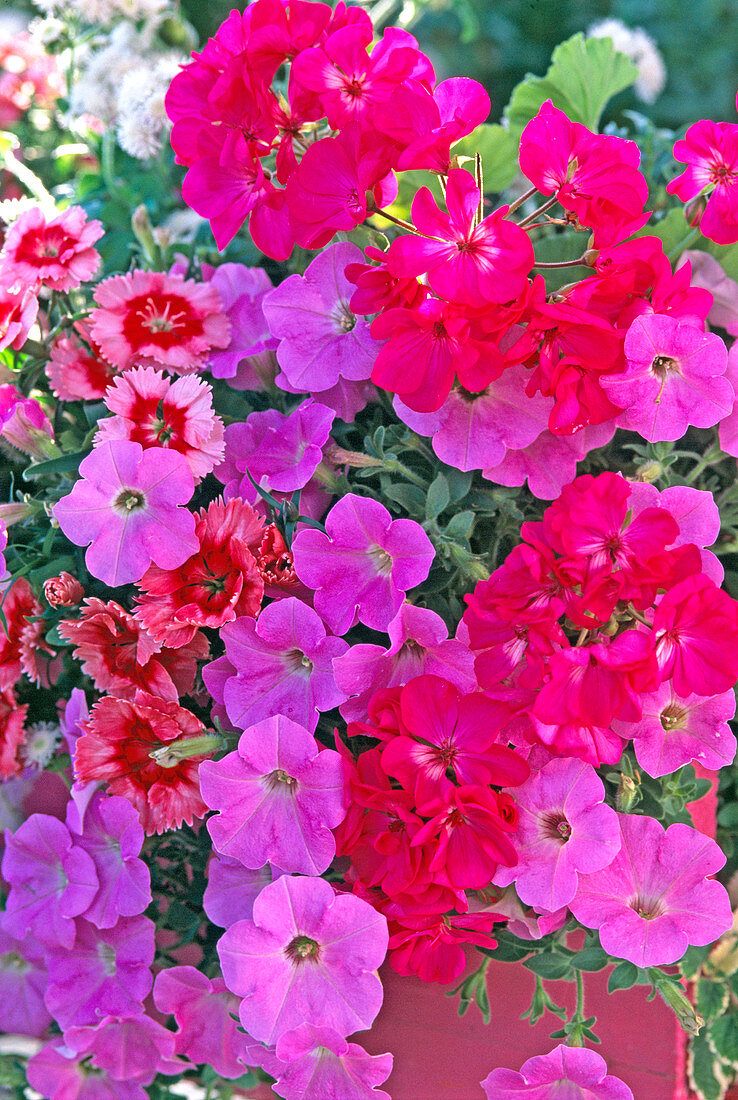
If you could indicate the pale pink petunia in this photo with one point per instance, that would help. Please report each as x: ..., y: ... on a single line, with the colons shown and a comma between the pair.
x: 277, y: 797
x: 150, y: 318
x: 126, y: 505
x: 674, y: 731
x: 568, y: 1073
x: 282, y: 664
x: 55, y: 252
x: 564, y: 827
x: 130, y: 1049
x: 673, y: 378
x: 23, y: 980
x: 308, y: 956
x: 729, y: 424
x: 708, y: 273
x: 155, y: 411
x: 58, y: 1072
x: 657, y: 897
x: 419, y: 644
x: 363, y: 565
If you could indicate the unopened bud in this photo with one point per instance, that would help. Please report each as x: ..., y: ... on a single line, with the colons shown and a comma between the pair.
x: 169, y: 756
x: 649, y: 471
x: 694, y: 210
x: 590, y: 257
x: 627, y: 794
x: 63, y: 591
x: 144, y: 233
x: 677, y: 1000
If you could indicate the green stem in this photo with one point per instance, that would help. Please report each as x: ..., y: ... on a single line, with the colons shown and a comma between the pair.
x: 679, y: 248
x: 536, y: 213
x: 580, y: 262
x: 523, y: 198
x: 576, y: 1038
x: 397, y: 221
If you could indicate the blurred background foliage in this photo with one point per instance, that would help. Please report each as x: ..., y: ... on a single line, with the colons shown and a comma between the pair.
x: 498, y: 41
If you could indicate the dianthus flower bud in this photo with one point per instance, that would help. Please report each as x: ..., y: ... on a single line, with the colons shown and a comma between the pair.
x: 63, y: 591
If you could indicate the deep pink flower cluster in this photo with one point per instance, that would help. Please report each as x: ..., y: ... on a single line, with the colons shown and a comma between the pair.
x: 710, y: 152
x: 252, y: 153
x: 426, y: 822
x: 608, y: 599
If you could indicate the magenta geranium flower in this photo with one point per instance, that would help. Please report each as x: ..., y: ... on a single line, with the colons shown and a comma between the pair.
x: 656, y: 897
x: 282, y: 664
x: 710, y: 151
x: 309, y: 956
x: 468, y: 263
x: 673, y: 378
x: 23, y: 979
x: 362, y: 567
x: 204, y: 1010
x: 675, y: 731
x: 278, y: 798
x: 126, y: 505
x: 51, y: 881
x: 232, y: 889
x: 107, y: 827
x: 695, y: 629
x: 316, y: 1061
x: 108, y: 971
x: 321, y: 340
x: 280, y: 452
x: 564, y: 827
x: 419, y: 643
x: 571, y: 1073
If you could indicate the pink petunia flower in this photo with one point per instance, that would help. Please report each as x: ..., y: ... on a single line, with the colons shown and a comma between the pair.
x: 466, y: 262
x: 150, y: 318
x: 204, y: 1009
x: 278, y: 798
x: 710, y: 151
x: 52, y: 881
x: 278, y: 664
x: 23, y: 979
x: 280, y: 452
x: 675, y: 731
x: 550, y: 461
x: 419, y: 644
x: 656, y: 897
x: 363, y: 565
x: 308, y: 956
x: 317, y: 1061
x: 573, y: 1073
x: 57, y: 1071
x: 248, y: 362
x: 55, y: 252
x: 232, y: 889
x: 126, y: 505
x: 152, y: 410
x: 673, y: 378
x: 321, y: 340
x: 108, y: 829
x: 108, y: 971
x: 564, y: 827
x: 132, y: 1049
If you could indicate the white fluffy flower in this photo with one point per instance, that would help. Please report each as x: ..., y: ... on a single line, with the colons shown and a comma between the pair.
x: 41, y: 742
x: 103, y: 12
x: 642, y: 51
x: 141, y: 115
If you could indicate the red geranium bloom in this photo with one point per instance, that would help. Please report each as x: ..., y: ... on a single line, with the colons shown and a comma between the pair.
x: 116, y: 747
x: 696, y: 633
x: 12, y: 732
x: 216, y: 585
x: 120, y: 656
x: 154, y: 319
x: 19, y: 605
x: 430, y: 947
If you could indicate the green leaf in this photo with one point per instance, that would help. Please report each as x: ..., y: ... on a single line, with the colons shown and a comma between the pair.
x: 438, y: 497
x: 64, y: 464
x: 409, y: 496
x: 723, y: 1038
x: 498, y: 149
x: 592, y: 958
x: 672, y: 229
x: 623, y: 976
x: 584, y: 74
x: 706, y: 1075
x: 691, y: 962
x: 549, y: 967
x: 711, y: 998
x: 460, y: 526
